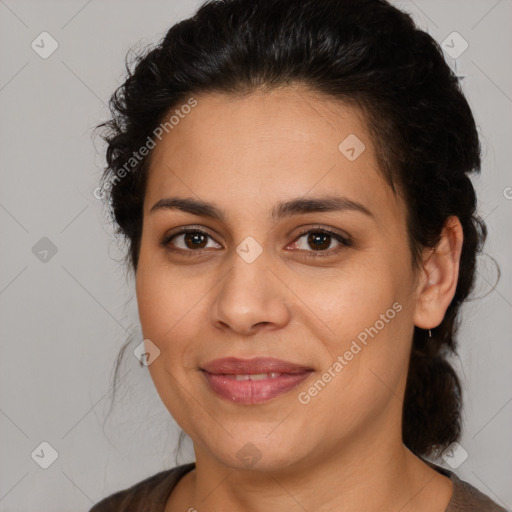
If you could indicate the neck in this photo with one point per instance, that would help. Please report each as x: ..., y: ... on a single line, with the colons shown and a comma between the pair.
x: 379, y: 475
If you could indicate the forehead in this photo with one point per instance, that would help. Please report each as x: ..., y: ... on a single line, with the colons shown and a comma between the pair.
x: 284, y: 117
x: 266, y: 146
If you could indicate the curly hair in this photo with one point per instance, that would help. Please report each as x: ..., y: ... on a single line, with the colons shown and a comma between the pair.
x: 367, y: 53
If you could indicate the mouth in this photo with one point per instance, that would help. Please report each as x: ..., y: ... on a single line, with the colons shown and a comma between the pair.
x: 253, y: 381
x: 254, y: 366
x: 253, y: 376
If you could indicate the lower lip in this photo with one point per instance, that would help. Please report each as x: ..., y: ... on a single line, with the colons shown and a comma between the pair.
x: 253, y: 391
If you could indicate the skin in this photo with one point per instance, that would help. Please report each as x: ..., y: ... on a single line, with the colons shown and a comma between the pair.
x: 343, y: 450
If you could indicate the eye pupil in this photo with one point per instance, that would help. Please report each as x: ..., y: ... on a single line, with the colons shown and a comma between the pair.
x: 315, y: 240
x: 194, y: 238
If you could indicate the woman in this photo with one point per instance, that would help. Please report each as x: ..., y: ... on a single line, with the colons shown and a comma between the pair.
x: 292, y: 177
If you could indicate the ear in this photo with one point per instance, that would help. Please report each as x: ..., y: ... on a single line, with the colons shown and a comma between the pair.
x: 439, y: 276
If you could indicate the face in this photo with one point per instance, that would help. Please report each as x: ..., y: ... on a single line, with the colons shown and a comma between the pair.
x: 328, y: 289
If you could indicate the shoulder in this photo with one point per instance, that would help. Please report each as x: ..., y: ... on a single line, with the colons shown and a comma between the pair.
x: 467, y: 498
x: 149, y: 495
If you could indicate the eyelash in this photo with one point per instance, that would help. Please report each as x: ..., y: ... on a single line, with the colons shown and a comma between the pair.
x: 345, y: 242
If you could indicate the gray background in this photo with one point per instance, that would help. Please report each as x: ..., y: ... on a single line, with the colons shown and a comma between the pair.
x: 63, y: 320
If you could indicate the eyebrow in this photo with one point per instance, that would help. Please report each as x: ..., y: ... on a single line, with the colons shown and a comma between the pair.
x: 281, y: 209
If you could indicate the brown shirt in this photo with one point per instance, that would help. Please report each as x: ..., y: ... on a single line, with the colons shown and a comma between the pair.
x: 151, y: 494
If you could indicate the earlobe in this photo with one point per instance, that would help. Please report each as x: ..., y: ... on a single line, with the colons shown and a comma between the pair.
x: 439, y: 278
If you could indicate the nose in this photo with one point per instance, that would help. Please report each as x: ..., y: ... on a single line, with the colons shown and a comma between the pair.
x: 250, y: 298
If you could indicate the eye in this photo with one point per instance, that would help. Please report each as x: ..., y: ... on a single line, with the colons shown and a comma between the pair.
x: 192, y: 241
x: 188, y: 241
x: 320, y: 240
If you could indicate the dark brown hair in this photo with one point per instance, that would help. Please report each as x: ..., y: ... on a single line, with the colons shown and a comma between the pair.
x: 364, y: 52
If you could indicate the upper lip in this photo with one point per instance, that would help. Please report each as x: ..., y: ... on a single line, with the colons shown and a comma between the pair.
x: 256, y: 365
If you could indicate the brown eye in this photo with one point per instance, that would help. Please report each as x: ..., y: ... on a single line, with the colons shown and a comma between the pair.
x: 320, y: 241
x: 187, y: 241
x: 195, y: 240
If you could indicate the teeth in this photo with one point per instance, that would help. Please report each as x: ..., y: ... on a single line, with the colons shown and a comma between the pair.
x: 255, y: 376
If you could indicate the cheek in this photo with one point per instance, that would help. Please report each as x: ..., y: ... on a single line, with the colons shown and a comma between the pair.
x: 347, y: 299
x: 168, y: 310
x: 172, y: 308
x: 156, y: 309
x: 363, y: 316
x: 165, y: 297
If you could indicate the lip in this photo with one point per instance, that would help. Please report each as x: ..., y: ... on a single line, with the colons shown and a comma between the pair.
x: 236, y: 366
x: 219, y: 374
